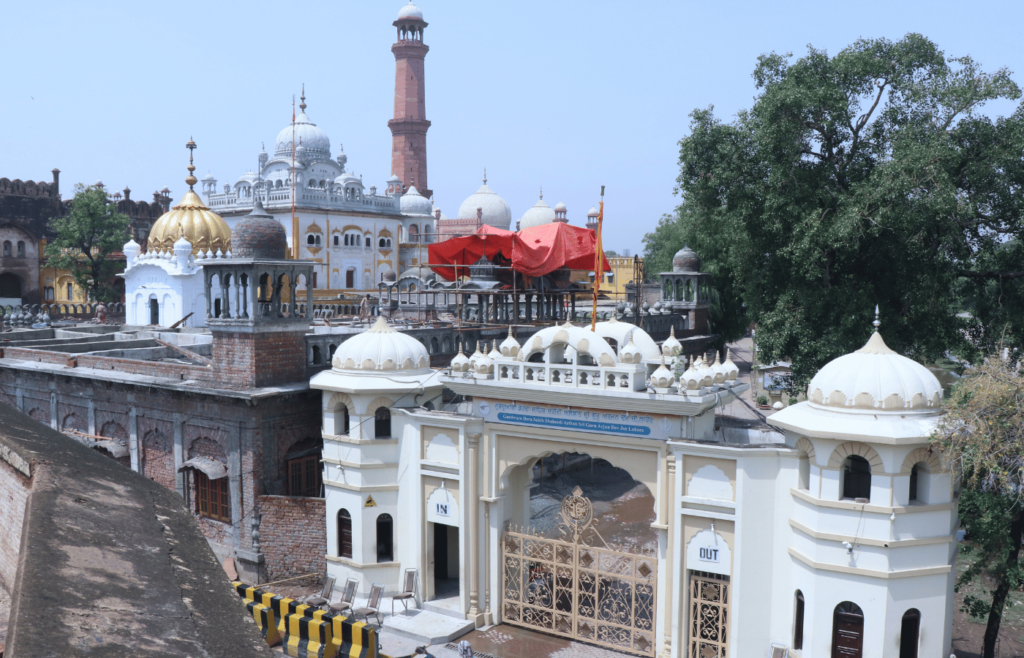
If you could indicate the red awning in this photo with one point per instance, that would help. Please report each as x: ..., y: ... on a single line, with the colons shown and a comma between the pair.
x: 534, y: 251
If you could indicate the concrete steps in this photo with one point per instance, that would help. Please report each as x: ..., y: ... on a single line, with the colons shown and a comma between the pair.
x: 426, y: 626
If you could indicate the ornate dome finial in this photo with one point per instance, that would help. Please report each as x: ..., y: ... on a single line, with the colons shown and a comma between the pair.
x: 302, y: 105
x: 542, y: 192
x: 191, y: 179
x: 876, y: 323
x: 485, y: 175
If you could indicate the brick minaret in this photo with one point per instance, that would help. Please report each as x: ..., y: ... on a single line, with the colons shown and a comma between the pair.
x: 409, y: 127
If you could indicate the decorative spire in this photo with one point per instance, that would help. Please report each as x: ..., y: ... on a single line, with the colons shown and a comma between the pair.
x: 876, y: 322
x: 485, y: 175
x: 541, y: 192
x: 302, y: 105
x: 190, y: 180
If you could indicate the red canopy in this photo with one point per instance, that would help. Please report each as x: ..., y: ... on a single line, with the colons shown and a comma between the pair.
x: 541, y: 249
x: 533, y: 251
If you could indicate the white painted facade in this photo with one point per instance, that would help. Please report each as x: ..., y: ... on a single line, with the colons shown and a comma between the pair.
x: 170, y: 286
x: 770, y: 517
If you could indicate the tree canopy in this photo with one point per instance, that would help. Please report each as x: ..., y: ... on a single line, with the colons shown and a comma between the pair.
x: 981, y: 437
x: 869, y: 177
x: 86, y: 236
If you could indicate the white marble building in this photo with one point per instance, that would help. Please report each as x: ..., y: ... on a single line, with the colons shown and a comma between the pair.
x: 354, y: 231
x: 832, y: 537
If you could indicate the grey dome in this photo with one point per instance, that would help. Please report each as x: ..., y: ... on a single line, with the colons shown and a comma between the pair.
x: 259, y: 235
x: 686, y: 260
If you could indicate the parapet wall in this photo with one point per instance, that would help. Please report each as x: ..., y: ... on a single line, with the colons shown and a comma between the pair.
x: 101, y: 561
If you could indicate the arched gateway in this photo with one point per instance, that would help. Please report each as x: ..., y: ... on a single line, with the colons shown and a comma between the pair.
x: 459, y: 481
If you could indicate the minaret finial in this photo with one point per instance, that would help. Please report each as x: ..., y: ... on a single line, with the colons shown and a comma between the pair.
x: 876, y: 322
x: 485, y: 175
x: 541, y: 192
x: 302, y: 105
x: 190, y: 180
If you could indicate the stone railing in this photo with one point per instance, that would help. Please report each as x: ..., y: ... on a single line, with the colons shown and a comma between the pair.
x: 27, y: 315
x: 314, y: 196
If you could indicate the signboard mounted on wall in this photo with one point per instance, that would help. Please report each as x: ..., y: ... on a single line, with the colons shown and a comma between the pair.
x: 442, y: 507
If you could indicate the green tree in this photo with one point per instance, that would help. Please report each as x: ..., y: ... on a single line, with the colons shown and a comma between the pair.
x: 85, y: 238
x: 981, y: 437
x: 865, y: 178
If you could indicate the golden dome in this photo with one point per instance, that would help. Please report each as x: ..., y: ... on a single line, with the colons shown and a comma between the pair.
x: 202, y: 227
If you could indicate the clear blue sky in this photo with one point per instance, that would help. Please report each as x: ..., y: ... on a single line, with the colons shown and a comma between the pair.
x: 568, y: 95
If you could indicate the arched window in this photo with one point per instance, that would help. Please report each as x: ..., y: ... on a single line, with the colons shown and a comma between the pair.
x: 856, y: 478
x: 344, y: 424
x: 382, y: 423
x: 385, y: 538
x: 847, y: 631
x: 381, y: 243
x: 316, y: 355
x: 21, y: 249
x: 7, y: 247
x: 804, y: 482
x: 335, y: 240
x: 310, y: 239
x: 913, y: 483
x: 909, y: 632
x: 344, y: 533
x: 798, y: 622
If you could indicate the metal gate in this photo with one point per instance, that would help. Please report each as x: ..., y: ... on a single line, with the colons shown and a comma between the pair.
x: 709, y: 615
x: 574, y: 588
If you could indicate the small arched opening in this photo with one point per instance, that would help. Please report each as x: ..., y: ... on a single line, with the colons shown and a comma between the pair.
x: 385, y: 538
x: 344, y: 533
x: 798, y: 622
x: 382, y: 423
x: 910, y: 631
x: 847, y: 631
x: 856, y: 474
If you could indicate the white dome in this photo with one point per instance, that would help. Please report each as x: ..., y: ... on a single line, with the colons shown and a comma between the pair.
x: 540, y: 214
x: 348, y: 179
x: 621, y: 332
x: 247, y: 177
x: 381, y: 348
x: 414, y: 203
x: 560, y: 207
x: 410, y: 11
x: 496, y: 212
x: 314, y: 140
x: 877, y: 379
x: 583, y: 340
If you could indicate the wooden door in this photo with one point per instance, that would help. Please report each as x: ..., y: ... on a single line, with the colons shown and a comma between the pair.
x: 847, y: 635
x: 344, y: 534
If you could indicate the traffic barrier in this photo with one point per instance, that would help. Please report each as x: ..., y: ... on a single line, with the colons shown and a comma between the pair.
x: 266, y: 620
x: 306, y: 637
x: 247, y: 592
x: 353, y: 639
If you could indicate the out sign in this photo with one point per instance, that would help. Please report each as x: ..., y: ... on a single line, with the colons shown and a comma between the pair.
x: 709, y: 554
x: 441, y: 509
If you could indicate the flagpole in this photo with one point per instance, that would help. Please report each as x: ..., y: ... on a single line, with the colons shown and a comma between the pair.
x: 295, y: 222
x: 598, y: 263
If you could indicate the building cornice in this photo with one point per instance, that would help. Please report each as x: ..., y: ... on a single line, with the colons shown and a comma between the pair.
x: 870, y: 573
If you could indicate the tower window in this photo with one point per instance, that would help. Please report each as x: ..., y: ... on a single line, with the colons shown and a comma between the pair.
x: 344, y: 533
x: 382, y: 423
x: 385, y: 538
x: 856, y: 478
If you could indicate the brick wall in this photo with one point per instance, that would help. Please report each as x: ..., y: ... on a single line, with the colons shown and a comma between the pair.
x: 262, y: 359
x: 293, y: 535
x: 14, y: 490
x: 158, y: 457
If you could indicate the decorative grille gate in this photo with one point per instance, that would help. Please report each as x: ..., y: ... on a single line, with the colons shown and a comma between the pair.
x: 709, y: 615
x: 572, y: 588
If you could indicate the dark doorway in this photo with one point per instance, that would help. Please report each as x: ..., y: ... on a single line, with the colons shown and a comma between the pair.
x: 10, y: 286
x: 216, y: 308
x: 154, y: 312
x: 909, y: 632
x: 798, y: 626
x: 350, y: 279
x: 446, y: 561
x: 847, y: 631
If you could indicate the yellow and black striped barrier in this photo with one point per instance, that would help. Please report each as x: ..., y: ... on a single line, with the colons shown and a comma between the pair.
x: 354, y: 639
x: 265, y: 619
x: 306, y: 637
x: 307, y: 631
